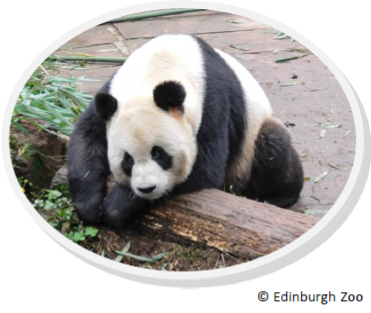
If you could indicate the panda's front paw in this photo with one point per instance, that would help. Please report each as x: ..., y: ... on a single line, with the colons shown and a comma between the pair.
x: 120, y: 206
x: 89, y: 211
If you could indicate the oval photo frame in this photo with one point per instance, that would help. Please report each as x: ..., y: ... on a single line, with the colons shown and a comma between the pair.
x: 326, y: 226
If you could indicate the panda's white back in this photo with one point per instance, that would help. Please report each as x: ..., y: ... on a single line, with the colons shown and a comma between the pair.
x: 258, y: 109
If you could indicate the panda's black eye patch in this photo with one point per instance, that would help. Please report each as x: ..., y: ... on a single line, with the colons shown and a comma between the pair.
x: 157, y: 153
x: 161, y: 157
x: 127, y: 164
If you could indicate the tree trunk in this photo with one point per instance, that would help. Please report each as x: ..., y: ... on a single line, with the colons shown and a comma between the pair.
x: 231, y: 224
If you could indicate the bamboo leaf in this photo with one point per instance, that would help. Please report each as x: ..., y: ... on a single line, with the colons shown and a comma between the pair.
x: 141, y: 258
x: 239, y: 47
x: 320, y: 177
x: 135, y: 257
x: 20, y: 127
x: 290, y: 58
x: 125, y: 250
x: 290, y: 84
x: 334, y: 166
x: 83, y: 78
x: 280, y: 35
x: 236, y: 21
x: 57, y: 114
x: 243, y: 58
x: 346, y: 134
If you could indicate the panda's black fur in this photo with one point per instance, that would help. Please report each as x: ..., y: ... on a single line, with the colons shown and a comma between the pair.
x: 222, y: 127
x: 276, y: 174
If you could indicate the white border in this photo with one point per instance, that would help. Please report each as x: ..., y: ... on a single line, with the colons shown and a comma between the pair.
x: 276, y: 260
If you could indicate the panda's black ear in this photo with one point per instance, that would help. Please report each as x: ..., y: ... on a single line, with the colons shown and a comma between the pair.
x: 168, y: 95
x: 105, y: 105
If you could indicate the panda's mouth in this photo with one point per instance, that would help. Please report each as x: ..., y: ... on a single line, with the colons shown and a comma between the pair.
x: 149, y: 196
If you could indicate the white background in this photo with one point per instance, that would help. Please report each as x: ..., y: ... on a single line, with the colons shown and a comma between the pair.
x: 38, y: 275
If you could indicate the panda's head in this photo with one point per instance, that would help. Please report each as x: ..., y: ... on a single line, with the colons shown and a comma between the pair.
x: 151, y: 147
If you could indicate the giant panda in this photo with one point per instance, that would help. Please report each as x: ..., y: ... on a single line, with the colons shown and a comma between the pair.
x: 179, y: 116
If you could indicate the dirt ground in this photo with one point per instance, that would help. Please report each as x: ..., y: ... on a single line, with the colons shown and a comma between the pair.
x: 303, y: 92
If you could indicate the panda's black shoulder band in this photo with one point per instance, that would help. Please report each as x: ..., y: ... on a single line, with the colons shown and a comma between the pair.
x: 169, y: 94
x: 105, y: 105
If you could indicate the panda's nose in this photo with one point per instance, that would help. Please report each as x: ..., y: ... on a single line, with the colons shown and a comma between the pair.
x: 147, y: 190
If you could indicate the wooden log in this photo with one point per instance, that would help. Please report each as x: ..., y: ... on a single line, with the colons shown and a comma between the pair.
x: 231, y: 224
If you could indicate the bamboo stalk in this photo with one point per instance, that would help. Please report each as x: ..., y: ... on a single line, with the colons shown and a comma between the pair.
x: 86, y: 58
x: 140, y: 16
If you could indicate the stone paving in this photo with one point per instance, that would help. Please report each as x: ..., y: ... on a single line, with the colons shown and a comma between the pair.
x: 303, y: 92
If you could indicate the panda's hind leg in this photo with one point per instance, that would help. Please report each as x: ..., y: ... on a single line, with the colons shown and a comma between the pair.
x: 276, y: 175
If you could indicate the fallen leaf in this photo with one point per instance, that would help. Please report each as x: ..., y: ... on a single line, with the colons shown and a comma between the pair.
x: 299, y: 50
x: 280, y: 35
x: 330, y: 125
x: 310, y: 212
x: 320, y: 177
x: 288, y: 84
x: 243, y: 58
x: 346, y: 134
x: 237, y: 21
x: 125, y: 250
x: 290, y: 58
x: 334, y: 166
x: 240, y: 47
x: 316, y: 89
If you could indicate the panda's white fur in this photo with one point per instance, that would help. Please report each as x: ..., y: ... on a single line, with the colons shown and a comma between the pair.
x: 199, y: 110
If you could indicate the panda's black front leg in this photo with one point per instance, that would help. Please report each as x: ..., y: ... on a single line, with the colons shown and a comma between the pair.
x: 88, y: 167
x: 122, y: 205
